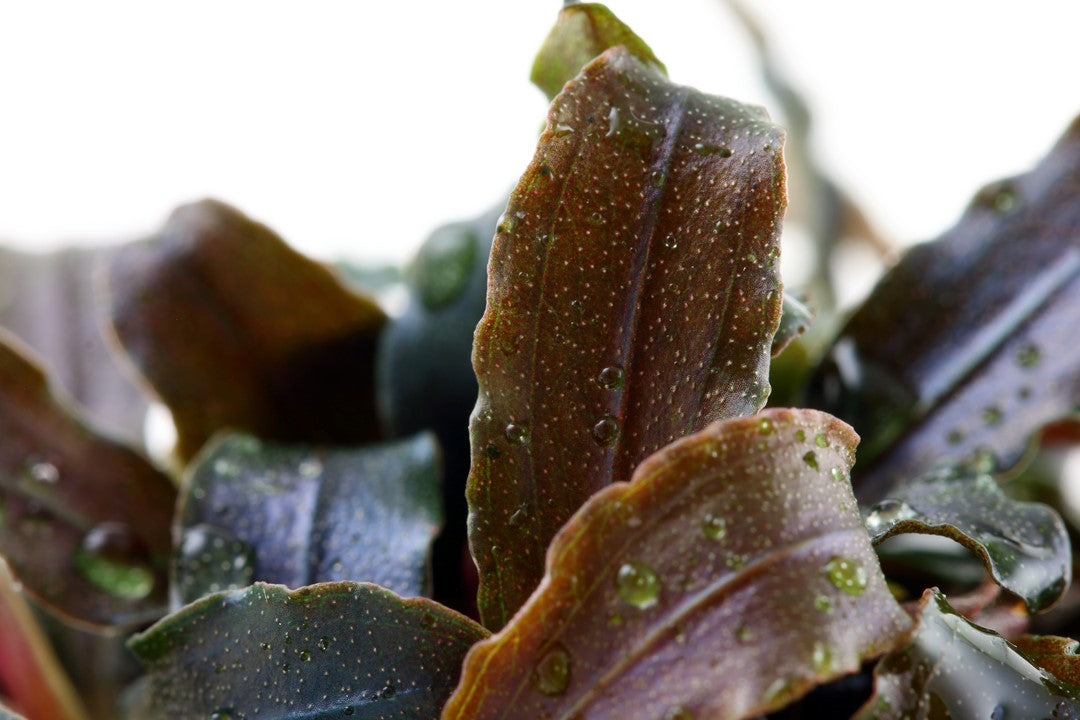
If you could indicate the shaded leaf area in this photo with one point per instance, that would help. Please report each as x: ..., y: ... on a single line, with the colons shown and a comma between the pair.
x: 298, y: 515
x: 84, y: 521
x: 234, y: 329
x: 1024, y: 545
x: 662, y: 595
x: 425, y: 379
x: 795, y: 319
x: 632, y: 299
x: 331, y: 650
x: 967, y: 345
x: 52, y: 303
x: 582, y: 32
x: 952, y: 668
x: 1056, y: 655
x: 7, y: 714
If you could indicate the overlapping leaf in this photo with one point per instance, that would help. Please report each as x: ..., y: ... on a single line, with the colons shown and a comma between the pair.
x: 234, y: 329
x: 298, y: 515
x: 729, y: 577
x: 333, y: 650
x: 969, y: 343
x: 84, y: 522
x: 632, y: 299
x: 954, y: 669
x: 795, y: 319
x: 1056, y: 655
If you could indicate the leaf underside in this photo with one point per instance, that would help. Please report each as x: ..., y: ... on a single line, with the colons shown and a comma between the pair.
x: 663, y: 595
x: 632, y: 299
x: 332, y: 650
x: 297, y: 515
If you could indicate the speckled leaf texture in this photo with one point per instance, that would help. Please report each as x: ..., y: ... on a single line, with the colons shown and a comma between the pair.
x: 663, y: 595
x: 84, y: 521
x: 969, y: 343
x: 1056, y: 655
x: 632, y: 299
x: 954, y: 669
x: 234, y: 329
x: 1024, y: 545
x: 298, y: 515
x: 325, y: 651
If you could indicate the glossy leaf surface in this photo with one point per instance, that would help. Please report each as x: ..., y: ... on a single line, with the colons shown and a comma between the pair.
x: 1024, y: 545
x: 968, y: 344
x: 582, y: 32
x: 234, y: 329
x: 632, y: 299
x: 298, y: 515
x: 1056, y: 655
x: 666, y: 594
x: 952, y: 668
x: 84, y: 521
x: 333, y: 650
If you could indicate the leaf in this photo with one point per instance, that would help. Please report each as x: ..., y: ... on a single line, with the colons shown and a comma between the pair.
x: 84, y: 521
x: 1057, y: 655
x: 967, y: 345
x: 6, y: 714
x: 298, y: 515
x: 332, y: 650
x: 1024, y: 545
x: 234, y: 329
x: 952, y: 668
x: 51, y: 302
x: 582, y: 32
x: 664, y: 595
x: 795, y: 319
x: 632, y: 299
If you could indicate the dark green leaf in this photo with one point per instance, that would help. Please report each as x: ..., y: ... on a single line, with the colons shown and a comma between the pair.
x: 234, y: 329
x: 84, y: 521
x: 1056, y: 655
x: 730, y: 576
x: 795, y: 319
x: 299, y: 515
x: 632, y: 299
x: 582, y: 32
x: 968, y: 345
x: 1024, y: 545
x: 954, y: 669
x: 333, y: 650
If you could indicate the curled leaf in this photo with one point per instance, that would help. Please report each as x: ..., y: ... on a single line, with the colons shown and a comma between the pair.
x: 633, y: 296
x: 795, y: 319
x: 662, y: 595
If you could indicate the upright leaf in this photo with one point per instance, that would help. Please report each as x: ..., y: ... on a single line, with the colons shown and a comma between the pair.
x: 632, y: 299
x: 953, y: 669
x: 967, y: 345
x: 730, y: 576
x: 84, y: 521
x: 234, y: 329
x: 298, y: 515
x: 334, y: 650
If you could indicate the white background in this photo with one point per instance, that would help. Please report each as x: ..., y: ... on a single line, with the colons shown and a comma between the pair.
x: 353, y: 128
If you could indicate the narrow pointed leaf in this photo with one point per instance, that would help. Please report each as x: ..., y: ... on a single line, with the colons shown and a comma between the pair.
x: 582, y: 32
x: 234, y: 329
x: 795, y: 319
x: 1024, y: 545
x: 968, y: 344
x: 332, y: 650
x: 298, y: 515
x: 84, y: 521
x: 632, y: 299
x: 1056, y: 655
x: 663, y: 595
x: 954, y: 669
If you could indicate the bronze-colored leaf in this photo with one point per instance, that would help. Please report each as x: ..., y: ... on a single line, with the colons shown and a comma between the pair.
x: 84, y: 521
x: 730, y: 576
x: 1056, y: 655
x: 234, y: 329
x: 968, y: 344
x: 632, y: 299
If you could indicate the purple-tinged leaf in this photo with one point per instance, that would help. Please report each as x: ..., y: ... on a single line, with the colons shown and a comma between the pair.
x: 632, y: 299
x: 730, y: 576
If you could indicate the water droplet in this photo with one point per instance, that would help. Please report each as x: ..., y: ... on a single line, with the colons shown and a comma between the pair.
x: 714, y: 527
x: 744, y: 634
x: 706, y: 150
x: 671, y: 242
x: 115, y: 560
x: 821, y: 440
x: 822, y: 658
x: 992, y: 415
x: 45, y: 472
x: 551, y: 675
x: 350, y: 710
x: 751, y: 258
x: 765, y: 426
x: 517, y: 433
x: 823, y: 603
x: 386, y: 692
x: 887, y: 513
x: 606, y: 430
x: 838, y: 475
x: 678, y: 713
x: 324, y: 643
x: 222, y: 714
x: 492, y: 451
x: 779, y: 690
x: 305, y: 656
x: 611, y: 377
x: 1028, y: 356
x: 638, y: 584
x: 847, y: 575
x: 562, y: 130
x: 597, y: 218
x: 800, y: 436
x: 810, y: 459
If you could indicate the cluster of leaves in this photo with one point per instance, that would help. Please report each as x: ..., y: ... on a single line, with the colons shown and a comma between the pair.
x: 650, y: 540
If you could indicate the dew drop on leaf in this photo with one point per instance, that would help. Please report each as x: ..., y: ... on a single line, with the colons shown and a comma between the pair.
x: 611, y: 377
x: 517, y: 433
x: 638, y: 584
x: 678, y: 713
x: 847, y: 575
x: 765, y: 427
x: 821, y: 441
x: 606, y: 430
x: 45, y: 473
x: 714, y: 527
x: 113, y: 559
x: 1028, y: 356
x: 823, y: 603
x: 551, y: 675
x: 837, y: 474
x: 822, y: 658
x: 221, y: 714
x: 810, y: 459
